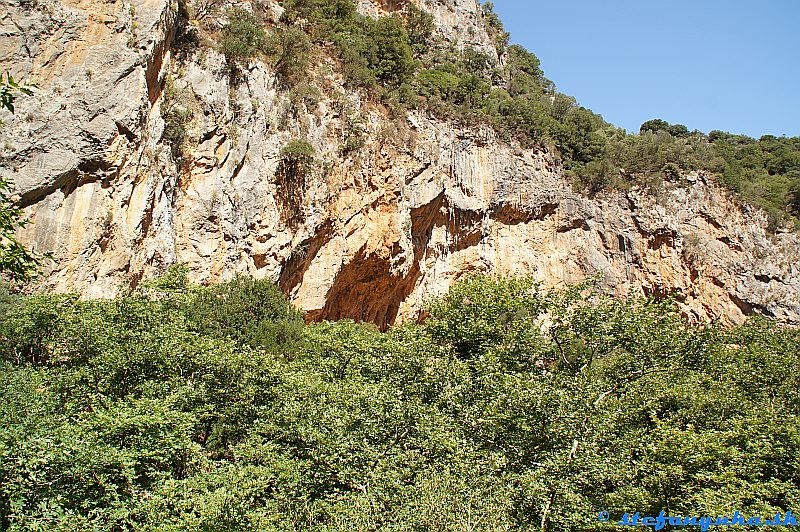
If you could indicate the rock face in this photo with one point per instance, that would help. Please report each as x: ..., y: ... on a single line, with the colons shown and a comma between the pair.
x: 368, y: 234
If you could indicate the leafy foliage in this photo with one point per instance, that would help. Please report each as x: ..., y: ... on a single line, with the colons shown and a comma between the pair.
x: 765, y: 172
x: 374, y: 54
x: 512, y: 407
x: 297, y: 156
x: 291, y: 48
x: 656, y: 125
x: 420, y: 27
x: 17, y: 262
x: 501, y: 36
x: 250, y: 312
x: 242, y: 37
x: 9, y: 89
x: 392, y: 60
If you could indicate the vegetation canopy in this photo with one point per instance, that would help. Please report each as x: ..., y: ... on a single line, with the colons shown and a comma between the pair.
x: 181, y: 407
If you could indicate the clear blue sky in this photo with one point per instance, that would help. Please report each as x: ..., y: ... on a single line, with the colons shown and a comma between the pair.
x: 708, y: 64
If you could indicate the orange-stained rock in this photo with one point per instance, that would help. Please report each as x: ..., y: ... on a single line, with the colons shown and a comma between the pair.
x: 370, y: 235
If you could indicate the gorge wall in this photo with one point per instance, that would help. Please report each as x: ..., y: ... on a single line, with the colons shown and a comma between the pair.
x: 368, y: 234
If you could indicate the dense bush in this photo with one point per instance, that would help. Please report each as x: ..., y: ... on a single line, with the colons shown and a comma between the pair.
x: 391, y: 57
x: 291, y: 49
x: 297, y: 156
x: 765, y: 172
x: 250, y: 312
x: 420, y: 27
x: 512, y: 407
x: 375, y: 54
x: 241, y: 38
x: 656, y: 125
x: 495, y: 26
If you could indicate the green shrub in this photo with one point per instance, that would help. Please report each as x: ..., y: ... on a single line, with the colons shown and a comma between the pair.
x: 355, y: 138
x: 481, y: 312
x: 304, y: 95
x: 764, y: 172
x: 597, y: 176
x: 512, y: 405
x: 299, y: 153
x: 291, y: 48
x: 437, y: 84
x: 17, y: 262
x: 8, y: 299
x: 251, y: 312
x: 241, y: 38
x: 392, y: 60
x: 496, y: 29
x: 371, y: 51
x: 420, y: 26
x: 656, y: 125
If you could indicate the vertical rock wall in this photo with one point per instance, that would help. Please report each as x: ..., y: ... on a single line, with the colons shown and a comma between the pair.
x: 369, y: 234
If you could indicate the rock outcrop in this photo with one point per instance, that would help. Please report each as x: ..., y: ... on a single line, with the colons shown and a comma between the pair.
x: 367, y: 234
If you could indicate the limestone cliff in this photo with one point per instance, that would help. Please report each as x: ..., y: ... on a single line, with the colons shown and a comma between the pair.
x: 368, y: 234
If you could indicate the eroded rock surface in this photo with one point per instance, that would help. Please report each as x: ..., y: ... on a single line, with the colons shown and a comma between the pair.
x: 368, y: 234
